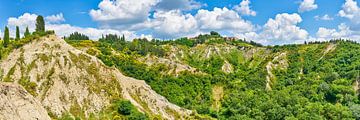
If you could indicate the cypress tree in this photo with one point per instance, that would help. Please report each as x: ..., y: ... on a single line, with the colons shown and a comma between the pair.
x: 6, y: 37
x: 123, y: 38
x: 17, y: 33
x: 27, y: 32
x: 40, y: 24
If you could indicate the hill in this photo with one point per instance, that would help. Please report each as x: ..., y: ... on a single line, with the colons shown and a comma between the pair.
x: 67, y: 82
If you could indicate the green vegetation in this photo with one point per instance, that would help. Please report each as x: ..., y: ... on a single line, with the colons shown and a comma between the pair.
x: 6, y: 37
x: 27, y: 32
x: 77, y: 36
x: 40, y: 24
x: 17, y: 33
x: 310, y: 81
x: 316, y: 83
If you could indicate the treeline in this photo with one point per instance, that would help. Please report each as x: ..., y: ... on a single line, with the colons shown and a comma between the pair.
x: 76, y: 36
x: 331, y: 41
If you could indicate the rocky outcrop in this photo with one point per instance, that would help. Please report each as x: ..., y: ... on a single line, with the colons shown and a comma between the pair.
x: 279, y: 62
x: 17, y: 104
x: 227, y: 67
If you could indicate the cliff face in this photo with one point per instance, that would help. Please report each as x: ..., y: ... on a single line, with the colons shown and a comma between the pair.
x: 66, y: 80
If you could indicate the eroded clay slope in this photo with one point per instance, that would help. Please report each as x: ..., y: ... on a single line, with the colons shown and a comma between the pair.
x: 17, y: 104
x: 66, y: 80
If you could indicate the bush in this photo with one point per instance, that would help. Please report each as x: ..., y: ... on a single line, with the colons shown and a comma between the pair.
x: 125, y: 107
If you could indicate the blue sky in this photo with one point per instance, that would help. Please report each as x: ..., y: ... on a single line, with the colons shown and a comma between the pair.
x: 265, y: 21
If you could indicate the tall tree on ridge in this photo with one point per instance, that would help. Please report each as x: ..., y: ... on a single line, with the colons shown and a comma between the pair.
x: 27, y: 32
x: 17, y: 33
x: 6, y: 37
x: 40, y: 24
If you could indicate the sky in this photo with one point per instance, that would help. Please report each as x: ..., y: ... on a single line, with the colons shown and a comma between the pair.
x: 270, y: 22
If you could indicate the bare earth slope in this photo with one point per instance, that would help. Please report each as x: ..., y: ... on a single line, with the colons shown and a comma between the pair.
x: 66, y: 80
x: 17, y: 104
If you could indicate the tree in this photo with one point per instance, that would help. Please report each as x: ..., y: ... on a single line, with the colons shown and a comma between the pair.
x: 214, y: 33
x: 40, y: 24
x: 6, y: 37
x: 123, y: 38
x: 27, y: 32
x: 17, y: 33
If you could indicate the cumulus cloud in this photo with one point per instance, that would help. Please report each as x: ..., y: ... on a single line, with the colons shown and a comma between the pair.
x: 58, y: 18
x: 167, y: 5
x: 123, y: 11
x: 307, y: 5
x: 93, y: 33
x: 28, y: 19
x: 173, y: 24
x: 244, y: 8
x: 23, y: 21
x: 135, y: 14
x: 222, y: 19
x: 343, y: 31
x: 284, y: 29
x: 351, y: 11
x: 326, y: 17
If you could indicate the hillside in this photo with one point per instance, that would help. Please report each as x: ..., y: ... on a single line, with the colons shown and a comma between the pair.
x: 206, y: 77
x: 66, y: 81
x: 226, y: 78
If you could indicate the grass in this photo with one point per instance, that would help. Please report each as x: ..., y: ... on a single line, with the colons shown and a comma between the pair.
x: 9, y: 74
x: 45, y: 86
x: 29, y: 86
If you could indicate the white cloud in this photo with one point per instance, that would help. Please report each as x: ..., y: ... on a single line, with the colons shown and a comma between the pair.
x: 173, y: 24
x: 307, y: 5
x: 168, y: 19
x: 93, y: 33
x: 1, y: 35
x: 326, y: 17
x: 244, y: 9
x: 25, y: 20
x: 167, y: 5
x: 222, y: 19
x: 58, y: 18
x: 284, y: 29
x: 123, y: 11
x: 28, y: 19
x: 343, y: 31
x: 351, y: 11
